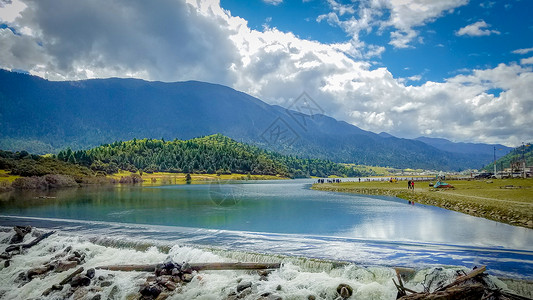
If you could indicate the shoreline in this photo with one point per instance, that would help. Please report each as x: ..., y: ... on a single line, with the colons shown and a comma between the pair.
x: 516, y: 213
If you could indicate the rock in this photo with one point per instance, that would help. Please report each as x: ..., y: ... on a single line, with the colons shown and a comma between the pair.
x: 170, y: 285
x: 97, y: 297
x: 80, y: 280
x: 278, y: 288
x: 5, y: 255
x: 264, y: 272
x: 7, y: 263
x: 162, y: 296
x: 244, y: 293
x: 36, y: 271
x: 188, y: 277
x: 77, y: 254
x: 79, y: 294
x: 243, y: 285
x: 101, y: 278
x: 57, y: 287
x: 269, y: 297
x: 20, y: 233
x: 186, y: 268
x: 311, y: 297
x: 65, y: 265
x: 68, y: 249
x: 344, y: 290
x: 151, y: 278
x: 106, y: 283
x: 90, y: 273
x: 175, y: 272
x: 150, y: 291
x: 263, y: 278
x: 114, y: 293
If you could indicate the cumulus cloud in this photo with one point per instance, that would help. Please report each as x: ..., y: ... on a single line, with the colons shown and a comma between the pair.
x: 404, y: 16
x: 527, y: 61
x: 200, y: 40
x: 477, y: 29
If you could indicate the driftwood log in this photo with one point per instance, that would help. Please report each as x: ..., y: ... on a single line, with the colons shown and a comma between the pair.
x: 464, y: 278
x: 64, y: 281
x: 197, y: 267
x: 30, y: 244
x: 467, y: 292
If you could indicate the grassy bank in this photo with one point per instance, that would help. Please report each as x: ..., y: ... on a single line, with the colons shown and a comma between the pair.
x: 162, y: 178
x: 504, y: 200
x: 122, y: 177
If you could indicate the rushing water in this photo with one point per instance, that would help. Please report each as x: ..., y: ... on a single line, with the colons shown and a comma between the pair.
x: 281, y: 217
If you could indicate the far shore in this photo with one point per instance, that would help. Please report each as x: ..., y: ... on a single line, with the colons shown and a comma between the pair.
x: 503, y: 200
x: 54, y: 181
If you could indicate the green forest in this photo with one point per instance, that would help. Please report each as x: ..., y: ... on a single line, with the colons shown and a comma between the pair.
x: 524, y: 152
x: 214, y: 154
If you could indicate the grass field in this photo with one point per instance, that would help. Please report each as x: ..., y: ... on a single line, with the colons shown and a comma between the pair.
x: 503, y: 200
x: 6, y: 177
x: 161, y: 178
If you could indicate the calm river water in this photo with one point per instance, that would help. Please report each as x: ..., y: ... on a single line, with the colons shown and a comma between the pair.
x: 281, y: 217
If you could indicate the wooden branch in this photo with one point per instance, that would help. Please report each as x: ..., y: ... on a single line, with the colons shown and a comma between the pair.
x: 472, y: 291
x: 197, y: 267
x: 30, y: 244
x: 64, y: 281
x: 69, y: 277
x: 403, y: 288
x: 470, y: 275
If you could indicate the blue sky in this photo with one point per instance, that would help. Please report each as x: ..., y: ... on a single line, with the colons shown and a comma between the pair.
x: 440, y: 54
x: 455, y: 69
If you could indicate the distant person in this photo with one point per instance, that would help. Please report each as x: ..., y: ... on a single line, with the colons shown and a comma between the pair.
x: 409, y: 184
x: 413, y: 185
x: 359, y: 180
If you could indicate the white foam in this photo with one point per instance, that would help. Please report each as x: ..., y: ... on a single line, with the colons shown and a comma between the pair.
x: 296, y: 279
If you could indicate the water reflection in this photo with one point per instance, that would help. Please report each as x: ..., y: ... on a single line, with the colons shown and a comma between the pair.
x: 270, y: 207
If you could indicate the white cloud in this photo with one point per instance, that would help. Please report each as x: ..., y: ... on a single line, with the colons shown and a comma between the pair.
x: 523, y: 51
x: 199, y: 40
x: 10, y: 10
x: 404, y: 17
x: 527, y: 61
x: 273, y: 2
x: 477, y: 29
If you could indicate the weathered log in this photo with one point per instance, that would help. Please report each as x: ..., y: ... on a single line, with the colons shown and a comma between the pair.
x: 465, y: 292
x: 464, y: 278
x: 30, y: 244
x: 64, y: 281
x: 197, y: 267
x: 20, y: 233
x: 69, y: 277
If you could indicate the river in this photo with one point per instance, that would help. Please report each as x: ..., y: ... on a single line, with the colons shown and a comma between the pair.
x: 280, y: 217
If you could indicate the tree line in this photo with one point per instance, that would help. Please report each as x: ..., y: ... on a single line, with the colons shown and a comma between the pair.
x: 214, y: 154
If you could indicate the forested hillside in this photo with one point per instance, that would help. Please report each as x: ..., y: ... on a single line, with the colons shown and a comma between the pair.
x: 210, y: 154
x: 42, y: 116
x: 517, y: 154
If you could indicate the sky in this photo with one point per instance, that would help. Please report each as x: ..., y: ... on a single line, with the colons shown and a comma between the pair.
x: 455, y: 69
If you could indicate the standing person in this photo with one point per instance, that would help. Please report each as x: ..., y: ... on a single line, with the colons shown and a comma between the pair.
x: 409, y: 184
x: 413, y: 185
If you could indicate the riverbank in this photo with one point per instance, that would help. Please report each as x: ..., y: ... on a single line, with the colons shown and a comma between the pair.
x: 10, y: 182
x: 503, y: 200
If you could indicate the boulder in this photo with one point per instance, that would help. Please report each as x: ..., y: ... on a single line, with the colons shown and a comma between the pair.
x: 243, y: 285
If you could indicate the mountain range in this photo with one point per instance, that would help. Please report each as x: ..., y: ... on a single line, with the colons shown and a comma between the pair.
x: 38, y: 115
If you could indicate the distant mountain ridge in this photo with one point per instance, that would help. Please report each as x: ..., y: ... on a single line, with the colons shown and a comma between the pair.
x: 465, y: 148
x: 55, y: 114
